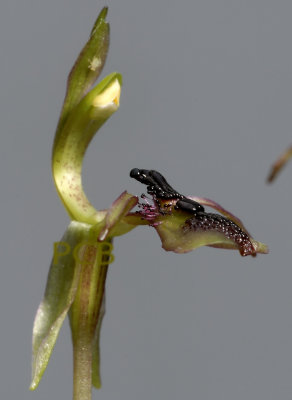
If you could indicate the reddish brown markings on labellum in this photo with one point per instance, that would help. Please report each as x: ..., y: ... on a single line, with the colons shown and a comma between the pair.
x: 215, y: 222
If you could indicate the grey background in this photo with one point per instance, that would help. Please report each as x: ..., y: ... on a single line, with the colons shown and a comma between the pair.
x: 207, y: 101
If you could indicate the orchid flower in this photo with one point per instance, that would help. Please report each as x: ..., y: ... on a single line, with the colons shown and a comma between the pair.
x: 77, y: 276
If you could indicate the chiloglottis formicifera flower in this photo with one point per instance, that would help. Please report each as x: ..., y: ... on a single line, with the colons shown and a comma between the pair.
x: 77, y: 275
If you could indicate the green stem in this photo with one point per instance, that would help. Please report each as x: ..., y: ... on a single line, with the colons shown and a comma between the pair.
x: 85, y: 316
x: 82, y: 351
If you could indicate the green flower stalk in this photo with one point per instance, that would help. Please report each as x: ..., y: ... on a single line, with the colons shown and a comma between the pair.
x: 77, y: 276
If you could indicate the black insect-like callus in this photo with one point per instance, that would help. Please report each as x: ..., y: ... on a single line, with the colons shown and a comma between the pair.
x: 156, y: 184
x: 189, y: 206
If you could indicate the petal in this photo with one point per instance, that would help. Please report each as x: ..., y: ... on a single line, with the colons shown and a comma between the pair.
x: 70, y: 147
x: 84, y: 112
x: 113, y: 224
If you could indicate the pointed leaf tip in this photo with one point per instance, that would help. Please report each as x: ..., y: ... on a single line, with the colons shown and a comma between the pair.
x: 101, y: 19
x: 103, y: 13
x: 86, y: 68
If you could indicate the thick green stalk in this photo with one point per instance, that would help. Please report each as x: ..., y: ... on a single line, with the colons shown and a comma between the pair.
x: 85, y: 315
x: 82, y: 369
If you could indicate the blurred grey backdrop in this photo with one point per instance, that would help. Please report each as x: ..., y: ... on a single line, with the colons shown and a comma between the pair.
x: 206, y: 100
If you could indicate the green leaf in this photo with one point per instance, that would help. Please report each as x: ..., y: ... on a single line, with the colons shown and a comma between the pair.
x: 60, y: 293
